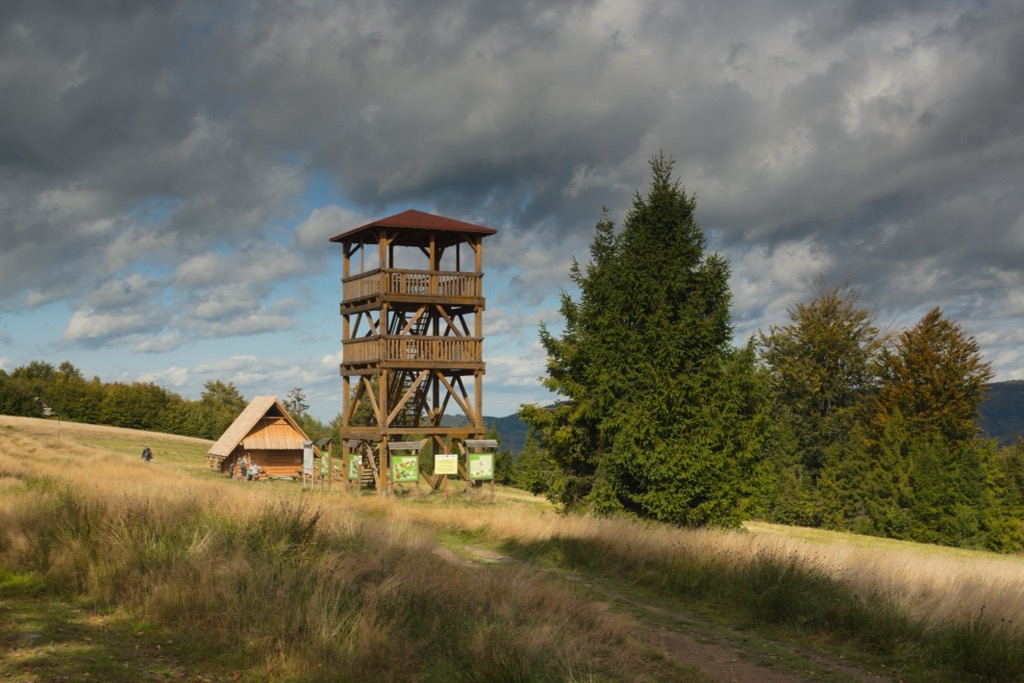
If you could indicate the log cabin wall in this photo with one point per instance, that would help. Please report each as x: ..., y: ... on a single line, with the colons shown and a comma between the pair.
x: 278, y: 463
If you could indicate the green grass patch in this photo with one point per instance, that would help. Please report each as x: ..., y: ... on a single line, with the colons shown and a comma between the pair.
x: 183, y: 454
x: 46, y: 636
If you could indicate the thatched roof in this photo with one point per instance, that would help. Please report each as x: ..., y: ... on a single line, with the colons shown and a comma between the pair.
x: 263, y: 425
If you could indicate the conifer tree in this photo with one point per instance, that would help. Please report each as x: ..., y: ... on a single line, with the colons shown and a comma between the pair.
x: 533, y: 469
x: 888, y: 493
x: 1005, y: 517
x: 662, y: 417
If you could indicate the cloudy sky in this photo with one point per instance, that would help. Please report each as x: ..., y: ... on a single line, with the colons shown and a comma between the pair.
x: 170, y: 171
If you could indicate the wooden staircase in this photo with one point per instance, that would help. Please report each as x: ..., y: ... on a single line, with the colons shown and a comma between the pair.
x: 412, y: 412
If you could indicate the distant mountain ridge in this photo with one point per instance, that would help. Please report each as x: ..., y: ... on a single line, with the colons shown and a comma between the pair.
x: 1002, y: 411
x: 1002, y: 417
x: 511, y: 430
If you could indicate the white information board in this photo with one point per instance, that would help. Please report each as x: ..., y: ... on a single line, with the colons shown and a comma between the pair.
x: 446, y: 463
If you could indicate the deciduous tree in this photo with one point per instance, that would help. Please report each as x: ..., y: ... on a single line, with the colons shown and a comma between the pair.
x: 934, y: 375
x: 221, y: 404
x: 822, y: 369
x: 295, y: 402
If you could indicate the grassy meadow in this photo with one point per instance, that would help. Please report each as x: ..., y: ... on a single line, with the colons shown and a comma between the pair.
x: 111, y: 567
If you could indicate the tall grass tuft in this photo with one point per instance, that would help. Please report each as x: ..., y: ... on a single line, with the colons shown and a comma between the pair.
x: 980, y: 648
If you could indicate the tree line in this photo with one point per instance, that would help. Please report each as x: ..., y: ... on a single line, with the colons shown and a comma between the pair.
x: 39, y: 388
x: 825, y: 421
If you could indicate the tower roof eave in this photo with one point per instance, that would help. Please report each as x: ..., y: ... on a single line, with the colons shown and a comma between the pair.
x: 412, y: 220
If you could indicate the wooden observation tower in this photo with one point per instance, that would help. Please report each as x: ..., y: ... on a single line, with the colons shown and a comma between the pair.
x: 412, y: 341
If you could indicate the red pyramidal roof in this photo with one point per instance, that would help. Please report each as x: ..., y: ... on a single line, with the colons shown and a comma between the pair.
x: 417, y: 220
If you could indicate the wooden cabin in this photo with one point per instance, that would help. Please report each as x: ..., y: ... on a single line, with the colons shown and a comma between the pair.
x: 267, y: 434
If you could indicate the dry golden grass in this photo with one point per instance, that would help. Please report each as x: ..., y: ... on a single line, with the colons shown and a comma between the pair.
x: 933, y: 584
x: 242, y: 564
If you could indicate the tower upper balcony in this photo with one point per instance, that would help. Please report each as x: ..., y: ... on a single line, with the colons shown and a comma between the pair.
x: 398, y: 285
x: 412, y: 258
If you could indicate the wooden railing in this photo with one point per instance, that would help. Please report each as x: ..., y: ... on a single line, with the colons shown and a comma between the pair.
x: 405, y: 348
x: 395, y: 281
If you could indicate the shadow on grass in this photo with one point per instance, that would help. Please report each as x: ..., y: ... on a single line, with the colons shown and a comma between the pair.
x: 45, y: 637
x: 796, y: 599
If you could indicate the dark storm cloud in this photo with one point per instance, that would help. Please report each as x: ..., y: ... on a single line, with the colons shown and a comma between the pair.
x: 878, y: 142
x: 111, y: 146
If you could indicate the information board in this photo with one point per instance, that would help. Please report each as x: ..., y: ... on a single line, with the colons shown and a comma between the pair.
x: 446, y: 463
x: 404, y: 468
x: 481, y: 465
x: 307, y: 458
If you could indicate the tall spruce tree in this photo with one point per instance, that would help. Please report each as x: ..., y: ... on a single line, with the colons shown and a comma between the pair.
x: 663, y: 417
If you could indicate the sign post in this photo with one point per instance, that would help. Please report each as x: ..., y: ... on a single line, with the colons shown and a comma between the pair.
x: 445, y: 464
x: 480, y: 461
x: 307, y: 464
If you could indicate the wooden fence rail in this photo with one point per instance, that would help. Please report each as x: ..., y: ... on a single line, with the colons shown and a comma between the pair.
x: 394, y: 281
x: 406, y: 348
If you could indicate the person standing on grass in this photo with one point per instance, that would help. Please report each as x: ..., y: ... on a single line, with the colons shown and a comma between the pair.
x: 243, y: 466
x: 147, y: 455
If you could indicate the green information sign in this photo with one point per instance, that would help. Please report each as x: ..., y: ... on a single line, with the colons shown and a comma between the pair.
x: 404, y: 468
x: 353, y: 466
x: 481, y: 465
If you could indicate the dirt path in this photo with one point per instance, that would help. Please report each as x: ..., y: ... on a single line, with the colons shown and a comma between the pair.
x: 731, y: 656
x: 723, y: 655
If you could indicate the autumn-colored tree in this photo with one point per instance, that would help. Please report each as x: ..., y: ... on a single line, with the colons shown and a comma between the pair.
x: 932, y: 382
x: 933, y: 374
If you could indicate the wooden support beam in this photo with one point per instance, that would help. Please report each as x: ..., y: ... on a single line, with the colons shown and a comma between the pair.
x: 451, y: 325
x: 412, y: 320
x: 353, y: 403
x: 374, y: 403
x: 405, y: 398
x: 462, y: 404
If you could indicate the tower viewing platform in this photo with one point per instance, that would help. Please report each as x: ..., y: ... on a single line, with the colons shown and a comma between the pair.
x: 412, y: 334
